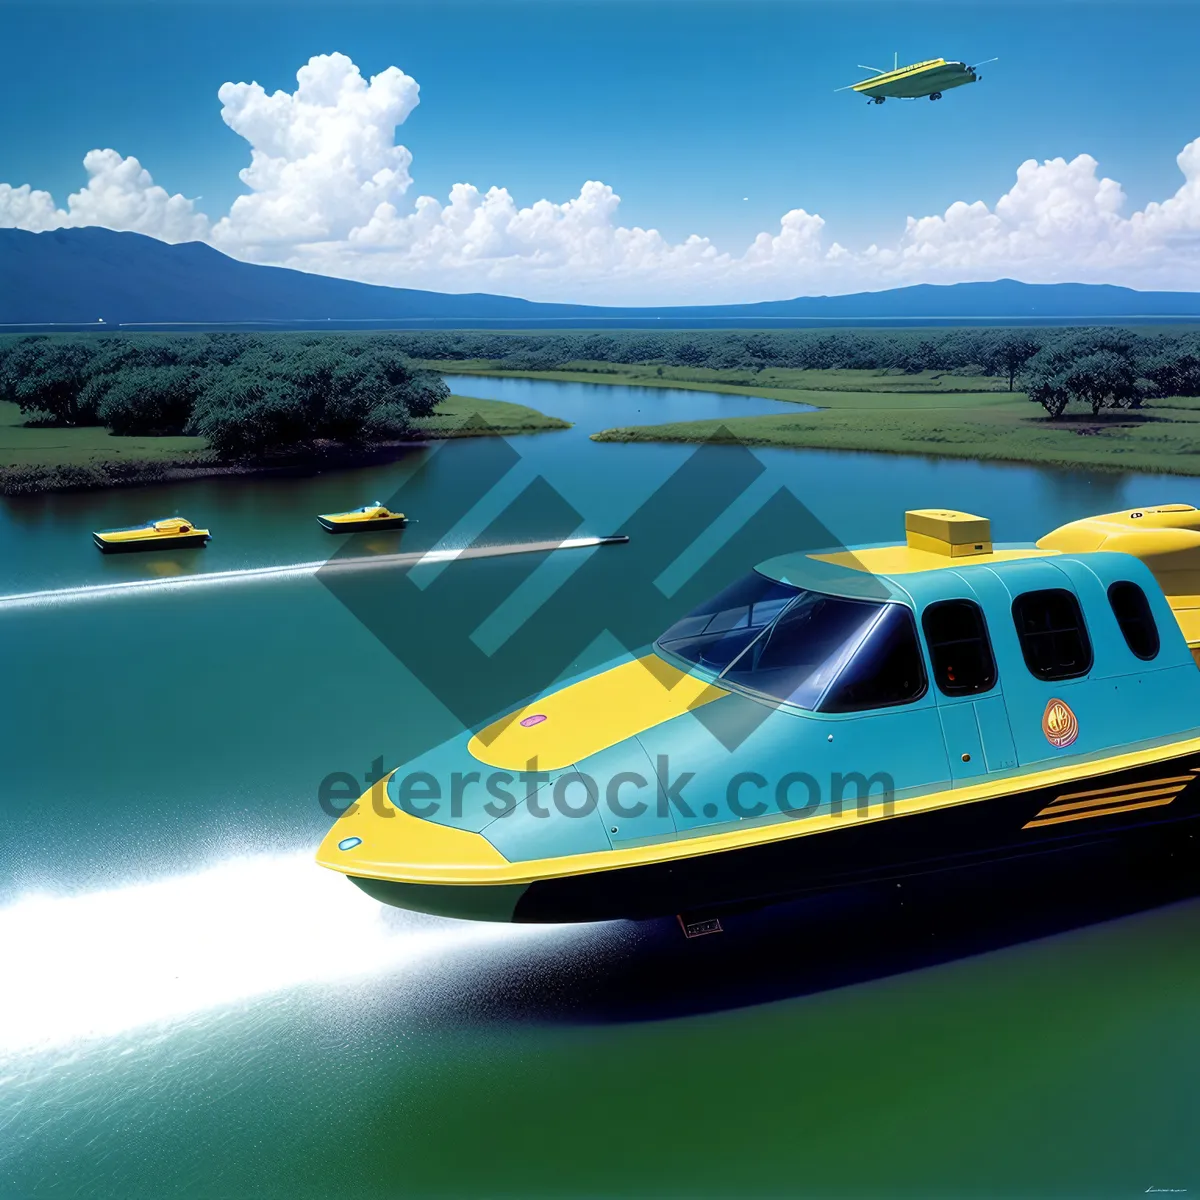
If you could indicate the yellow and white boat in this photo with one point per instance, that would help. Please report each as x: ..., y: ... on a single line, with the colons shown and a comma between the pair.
x: 370, y: 516
x: 168, y: 533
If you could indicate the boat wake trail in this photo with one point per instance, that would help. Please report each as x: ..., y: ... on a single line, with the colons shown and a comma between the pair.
x: 102, y: 591
x: 100, y: 964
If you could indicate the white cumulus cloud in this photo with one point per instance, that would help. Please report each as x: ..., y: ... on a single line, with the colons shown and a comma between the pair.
x: 329, y: 190
x: 323, y: 158
x: 120, y: 194
x: 1175, y: 223
x: 1061, y: 220
x: 24, y: 208
x: 1057, y: 214
x: 483, y: 239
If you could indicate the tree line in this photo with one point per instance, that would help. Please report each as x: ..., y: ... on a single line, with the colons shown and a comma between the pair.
x: 247, y: 395
x: 967, y: 351
x: 253, y: 393
x: 1100, y: 367
x: 1111, y: 368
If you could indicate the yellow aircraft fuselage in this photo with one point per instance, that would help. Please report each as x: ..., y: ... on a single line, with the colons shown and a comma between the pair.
x: 930, y: 78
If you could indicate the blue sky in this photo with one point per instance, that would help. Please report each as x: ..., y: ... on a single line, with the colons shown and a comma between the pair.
x: 682, y: 108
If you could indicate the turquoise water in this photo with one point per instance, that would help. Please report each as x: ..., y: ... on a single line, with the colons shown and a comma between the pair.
x: 189, y: 1007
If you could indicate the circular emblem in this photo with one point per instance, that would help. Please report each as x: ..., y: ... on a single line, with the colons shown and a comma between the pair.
x: 1059, y: 724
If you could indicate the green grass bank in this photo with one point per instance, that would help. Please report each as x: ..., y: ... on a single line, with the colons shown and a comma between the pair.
x: 939, y: 414
x: 53, y: 458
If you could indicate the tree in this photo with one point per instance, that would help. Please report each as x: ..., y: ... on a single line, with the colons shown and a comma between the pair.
x: 1101, y: 378
x: 242, y: 417
x: 1104, y: 380
x: 1174, y: 373
x: 1010, y: 352
x: 50, y: 377
x: 16, y: 355
x: 150, y: 400
x: 397, y: 382
x: 295, y: 392
x: 1048, y: 390
x: 687, y: 354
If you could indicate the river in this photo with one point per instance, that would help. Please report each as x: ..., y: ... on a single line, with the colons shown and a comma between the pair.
x: 189, y: 1007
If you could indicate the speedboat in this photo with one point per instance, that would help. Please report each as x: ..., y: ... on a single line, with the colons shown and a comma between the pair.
x: 833, y: 718
x: 370, y: 516
x: 168, y: 533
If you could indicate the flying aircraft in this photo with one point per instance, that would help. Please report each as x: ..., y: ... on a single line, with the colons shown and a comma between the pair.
x: 930, y: 78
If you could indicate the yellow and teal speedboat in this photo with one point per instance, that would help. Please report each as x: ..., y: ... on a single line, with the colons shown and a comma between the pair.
x: 832, y: 718
x: 168, y: 533
x: 370, y: 516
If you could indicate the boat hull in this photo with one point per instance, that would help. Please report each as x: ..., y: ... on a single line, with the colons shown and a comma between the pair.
x: 1158, y: 799
x: 175, y: 542
x: 361, y: 526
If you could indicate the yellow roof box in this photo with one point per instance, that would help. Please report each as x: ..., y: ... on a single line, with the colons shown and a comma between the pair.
x: 944, y: 531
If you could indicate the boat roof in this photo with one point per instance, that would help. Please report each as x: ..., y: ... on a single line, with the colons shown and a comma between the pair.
x: 896, y: 558
x: 882, y: 571
x: 943, y: 549
x: 936, y: 539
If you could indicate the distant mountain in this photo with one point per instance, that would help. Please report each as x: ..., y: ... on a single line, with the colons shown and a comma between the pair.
x: 78, y: 276
x: 1001, y: 298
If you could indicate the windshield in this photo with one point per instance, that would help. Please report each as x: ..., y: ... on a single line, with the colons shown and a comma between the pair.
x: 716, y: 632
x: 804, y: 648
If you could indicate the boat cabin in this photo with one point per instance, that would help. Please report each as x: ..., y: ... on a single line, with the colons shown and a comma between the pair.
x: 835, y: 717
x: 947, y: 658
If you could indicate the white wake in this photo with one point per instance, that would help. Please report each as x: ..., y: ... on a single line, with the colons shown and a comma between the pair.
x: 96, y: 964
x: 208, y: 579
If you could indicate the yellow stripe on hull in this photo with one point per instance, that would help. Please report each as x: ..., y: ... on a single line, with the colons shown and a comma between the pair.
x: 1096, y: 812
x: 1108, y: 791
x: 1103, y: 802
x: 403, y: 847
x: 1121, y: 798
x: 900, y: 74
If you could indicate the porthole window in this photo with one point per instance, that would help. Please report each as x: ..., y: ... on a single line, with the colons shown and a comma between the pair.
x: 959, y: 648
x: 1132, y: 610
x: 1053, y: 637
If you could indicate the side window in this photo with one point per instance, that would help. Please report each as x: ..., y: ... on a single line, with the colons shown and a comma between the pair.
x: 1053, y: 637
x: 963, y: 663
x: 886, y: 667
x: 1132, y: 610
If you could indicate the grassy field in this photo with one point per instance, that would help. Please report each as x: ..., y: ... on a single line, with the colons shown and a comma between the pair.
x: 25, y: 445
x: 22, y: 445
x: 1164, y: 437
x: 34, y: 459
x: 938, y: 414
x: 500, y: 417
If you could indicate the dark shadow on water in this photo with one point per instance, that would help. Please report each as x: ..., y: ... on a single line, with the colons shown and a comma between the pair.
x: 630, y: 972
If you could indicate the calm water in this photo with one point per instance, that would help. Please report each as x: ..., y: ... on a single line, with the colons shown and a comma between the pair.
x: 189, y: 1008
